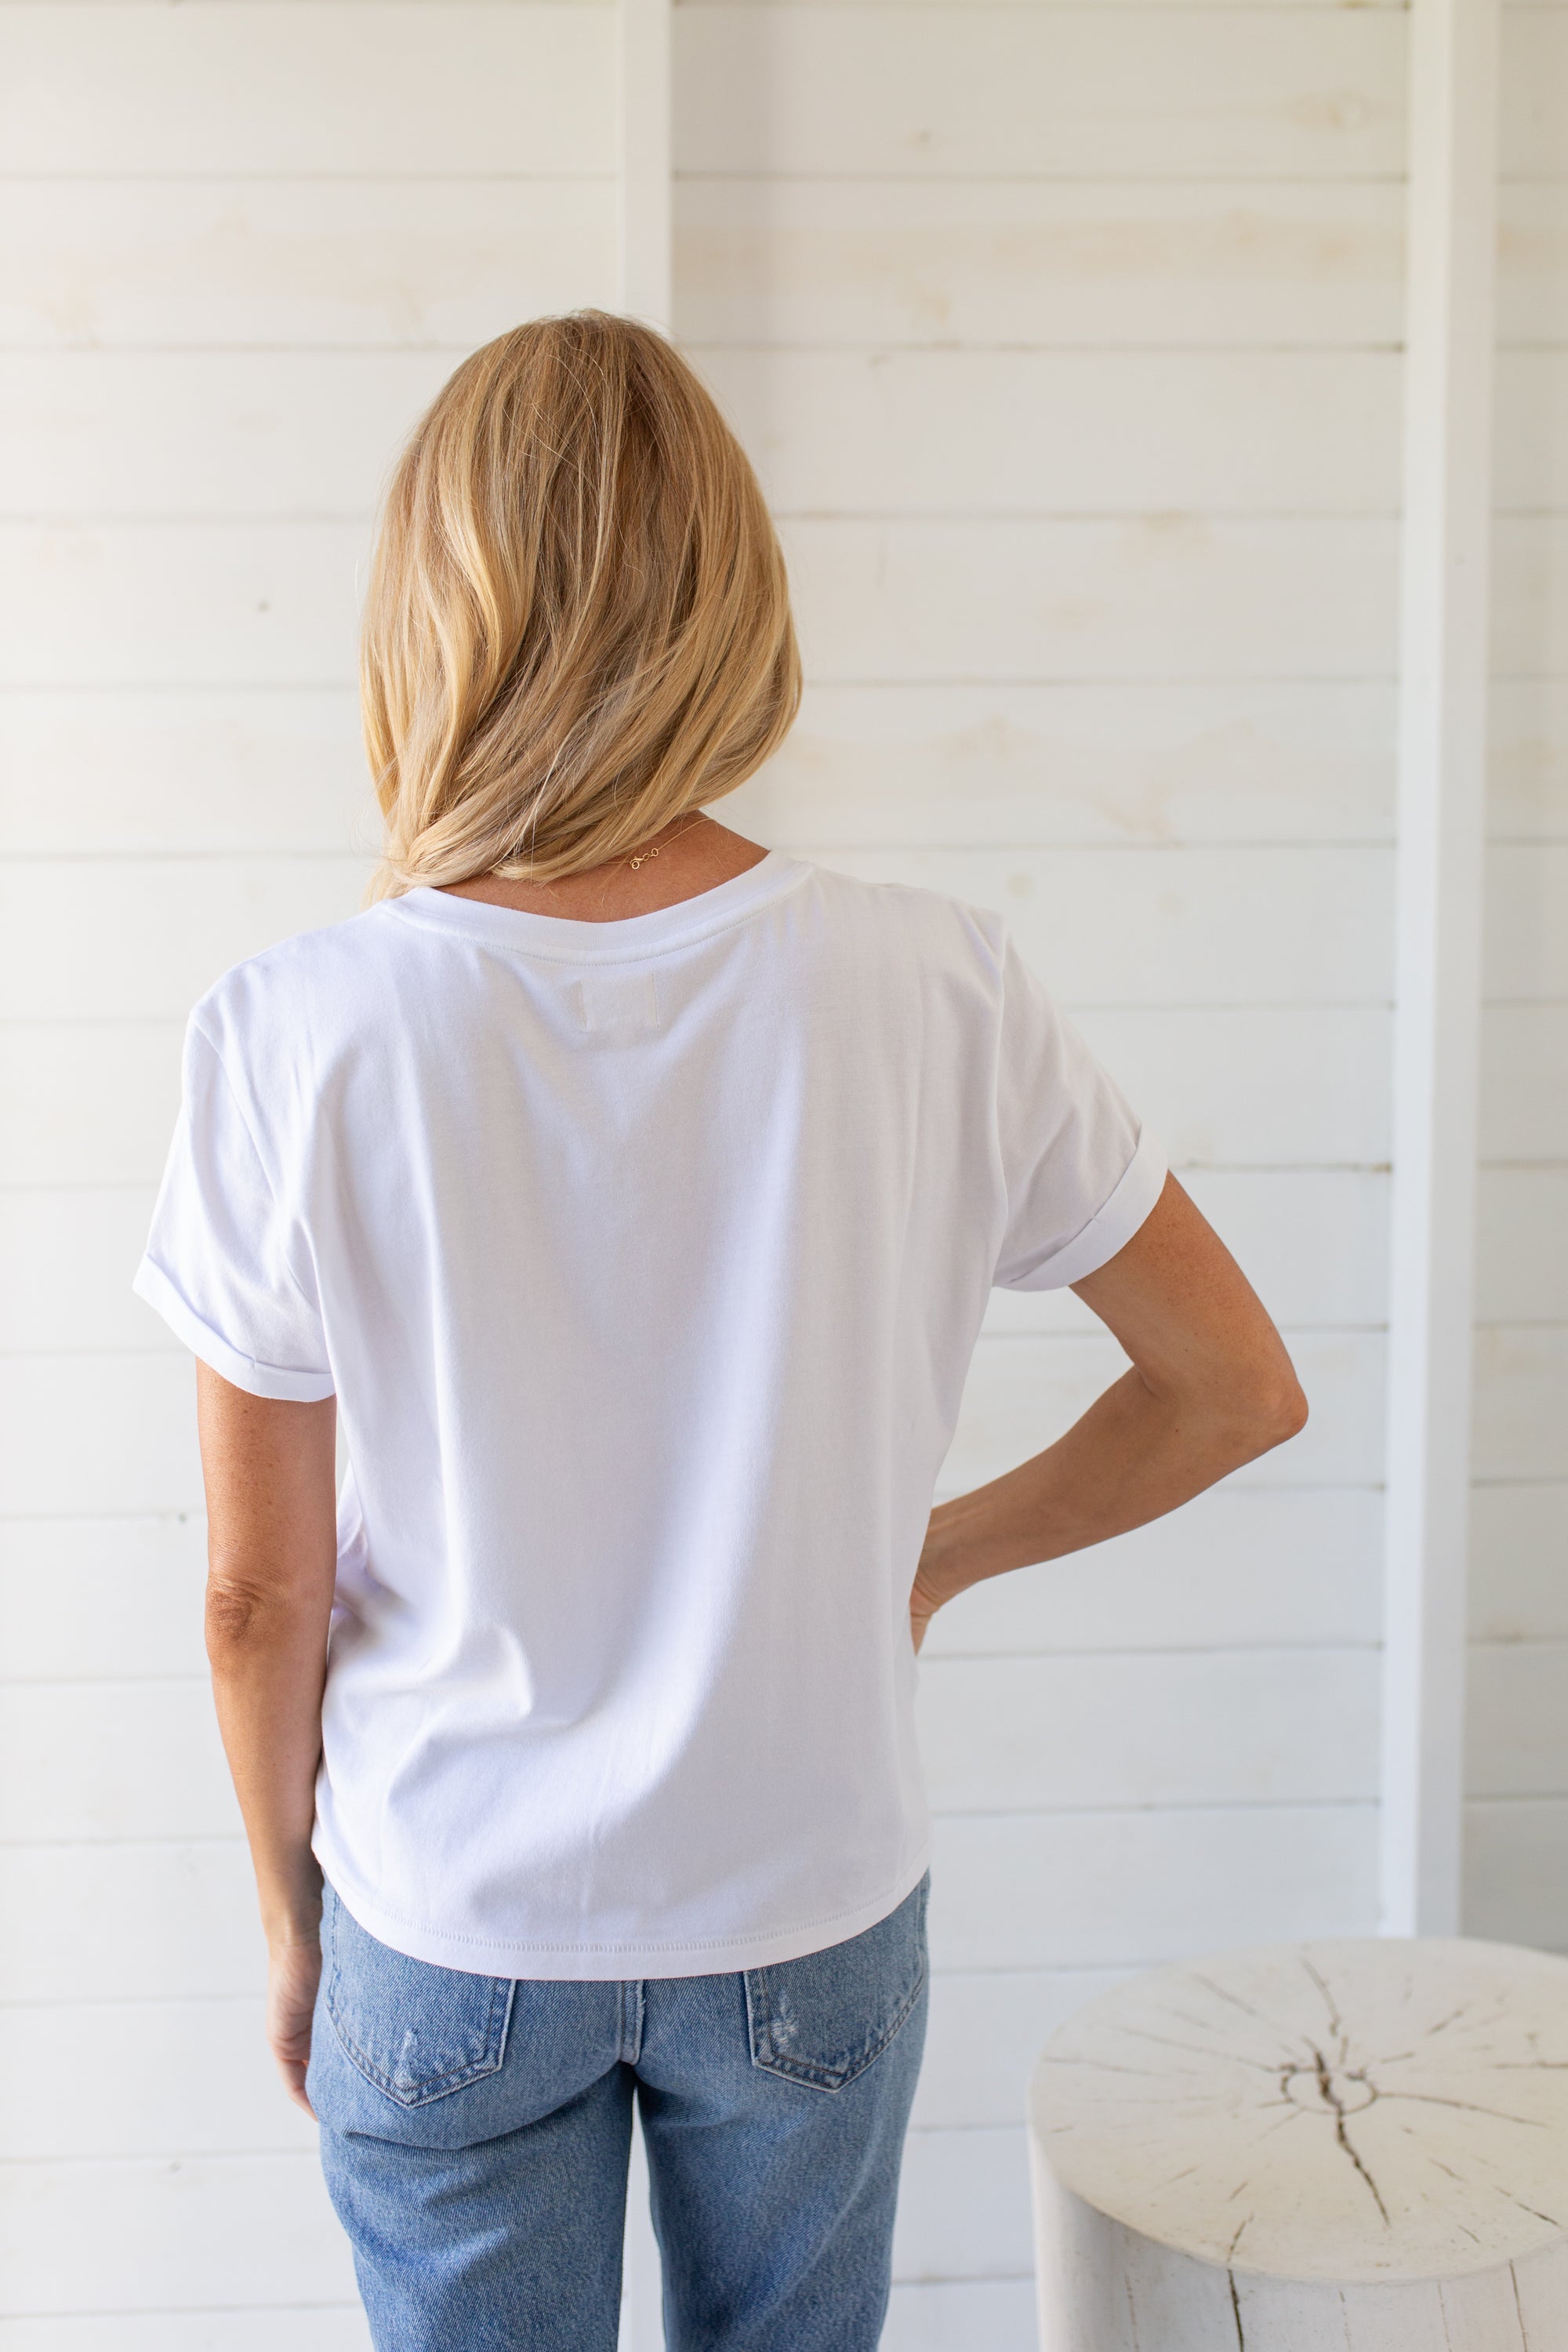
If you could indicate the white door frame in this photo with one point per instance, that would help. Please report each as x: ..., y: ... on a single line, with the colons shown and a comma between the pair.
x: 1444, y: 665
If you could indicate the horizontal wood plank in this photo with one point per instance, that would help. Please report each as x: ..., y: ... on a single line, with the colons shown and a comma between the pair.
x: 183, y: 770
x: 1530, y: 442
x: 1519, y: 1562
x: 172, y: 2232
x: 1168, y: 927
x: 337, y: 86
x: 1532, y: 250
x: 1524, y: 1083
x: 216, y: 769
x: 1005, y: 766
x: 1252, y: 1088
x: 139, y: 1922
x: 1530, y: 596
x: 964, y: 2205
x: 1065, y: 433
x: 390, y: 261
x: 312, y: 2327
x: 1527, y: 775
x: 933, y: 2315
x: 1059, y: 433
x: 107, y: 1597
x: 1522, y: 1267
x: 1526, y: 923
x: 137, y: 605
x: 1181, y: 264
x: 93, y: 1105
x: 1520, y: 1426
x: 99, y: 1760
x: 106, y: 2079
x: 148, y: 952
x: 1142, y: 6
x: 172, y: 434
x: 1130, y: 1890
x: 1241, y: 1565
x: 1516, y: 1890
x: 67, y: 1255
x: 1534, y: 95
x: 998, y: 92
x: 141, y: 1410
x: 1164, y: 597
x: 985, y: 2035
x: 1515, y: 1719
x: 1244, y: 1727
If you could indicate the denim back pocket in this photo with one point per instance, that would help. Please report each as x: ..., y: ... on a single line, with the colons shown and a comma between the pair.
x: 821, y: 2020
x: 416, y: 2031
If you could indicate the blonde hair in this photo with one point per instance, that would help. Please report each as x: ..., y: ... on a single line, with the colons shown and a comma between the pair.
x: 578, y: 620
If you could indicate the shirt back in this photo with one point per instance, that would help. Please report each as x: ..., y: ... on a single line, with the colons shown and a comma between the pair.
x: 646, y: 1260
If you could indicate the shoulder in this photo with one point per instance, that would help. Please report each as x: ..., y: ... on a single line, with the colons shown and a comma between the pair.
x: 299, y: 987
x: 945, y: 935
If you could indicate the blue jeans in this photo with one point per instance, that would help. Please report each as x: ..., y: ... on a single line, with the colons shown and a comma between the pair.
x: 476, y: 2135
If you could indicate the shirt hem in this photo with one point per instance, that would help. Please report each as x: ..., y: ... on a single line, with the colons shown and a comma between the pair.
x: 1109, y: 1230
x: 150, y: 1281
x: 559, y: 1963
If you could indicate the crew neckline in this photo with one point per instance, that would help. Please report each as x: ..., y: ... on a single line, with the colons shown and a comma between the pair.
x: 621, y: 939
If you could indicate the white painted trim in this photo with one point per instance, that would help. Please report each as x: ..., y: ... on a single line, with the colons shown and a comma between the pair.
x: 1444, y: 668
x: 646, y: 207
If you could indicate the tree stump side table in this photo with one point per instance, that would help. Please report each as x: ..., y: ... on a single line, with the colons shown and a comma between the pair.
x: 1310, y: 2148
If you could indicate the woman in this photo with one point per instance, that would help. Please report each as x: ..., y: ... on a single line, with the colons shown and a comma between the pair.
x: 628, y: 1197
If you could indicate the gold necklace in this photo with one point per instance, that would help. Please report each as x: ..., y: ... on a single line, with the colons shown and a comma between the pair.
x: 635, y: 862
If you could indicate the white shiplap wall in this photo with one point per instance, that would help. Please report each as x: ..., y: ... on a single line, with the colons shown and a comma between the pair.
x: 1068, y: 341
x: 239, y: 247
x: 1517, y: 1831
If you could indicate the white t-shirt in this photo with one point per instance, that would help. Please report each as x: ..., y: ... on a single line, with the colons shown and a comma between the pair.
x: 646, y: 1259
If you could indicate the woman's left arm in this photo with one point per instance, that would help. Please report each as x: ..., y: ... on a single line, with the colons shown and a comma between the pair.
x: 270, y: 1473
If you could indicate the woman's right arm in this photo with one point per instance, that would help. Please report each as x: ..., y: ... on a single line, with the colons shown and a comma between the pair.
x: 1210, y: 1387
x: 269, y: 1469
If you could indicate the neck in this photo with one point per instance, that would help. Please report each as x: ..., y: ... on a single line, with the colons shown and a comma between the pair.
x: 691, y: 855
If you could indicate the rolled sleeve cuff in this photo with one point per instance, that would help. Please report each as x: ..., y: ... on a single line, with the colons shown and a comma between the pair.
x: 153, y: 1285
x: 1109, y: 1230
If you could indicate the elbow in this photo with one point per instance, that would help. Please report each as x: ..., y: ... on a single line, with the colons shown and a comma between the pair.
x: 1277, y: 1412
x: 243, y: 1618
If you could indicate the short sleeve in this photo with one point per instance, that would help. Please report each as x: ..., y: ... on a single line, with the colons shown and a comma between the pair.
x: 1080, y: 1174
x: 223, y: 1264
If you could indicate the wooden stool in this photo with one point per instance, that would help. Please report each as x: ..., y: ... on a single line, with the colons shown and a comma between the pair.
x: 1310, y: 2148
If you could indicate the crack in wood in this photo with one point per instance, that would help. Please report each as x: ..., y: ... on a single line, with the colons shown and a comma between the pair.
x: 1213, y: 2053
x: 1332, y: 2099
x: 1236, y: 2314
x: 1235, y: 2000
x: 1336, y: 2023
x: 1518, y: 2307
x: 1469, y: 2107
